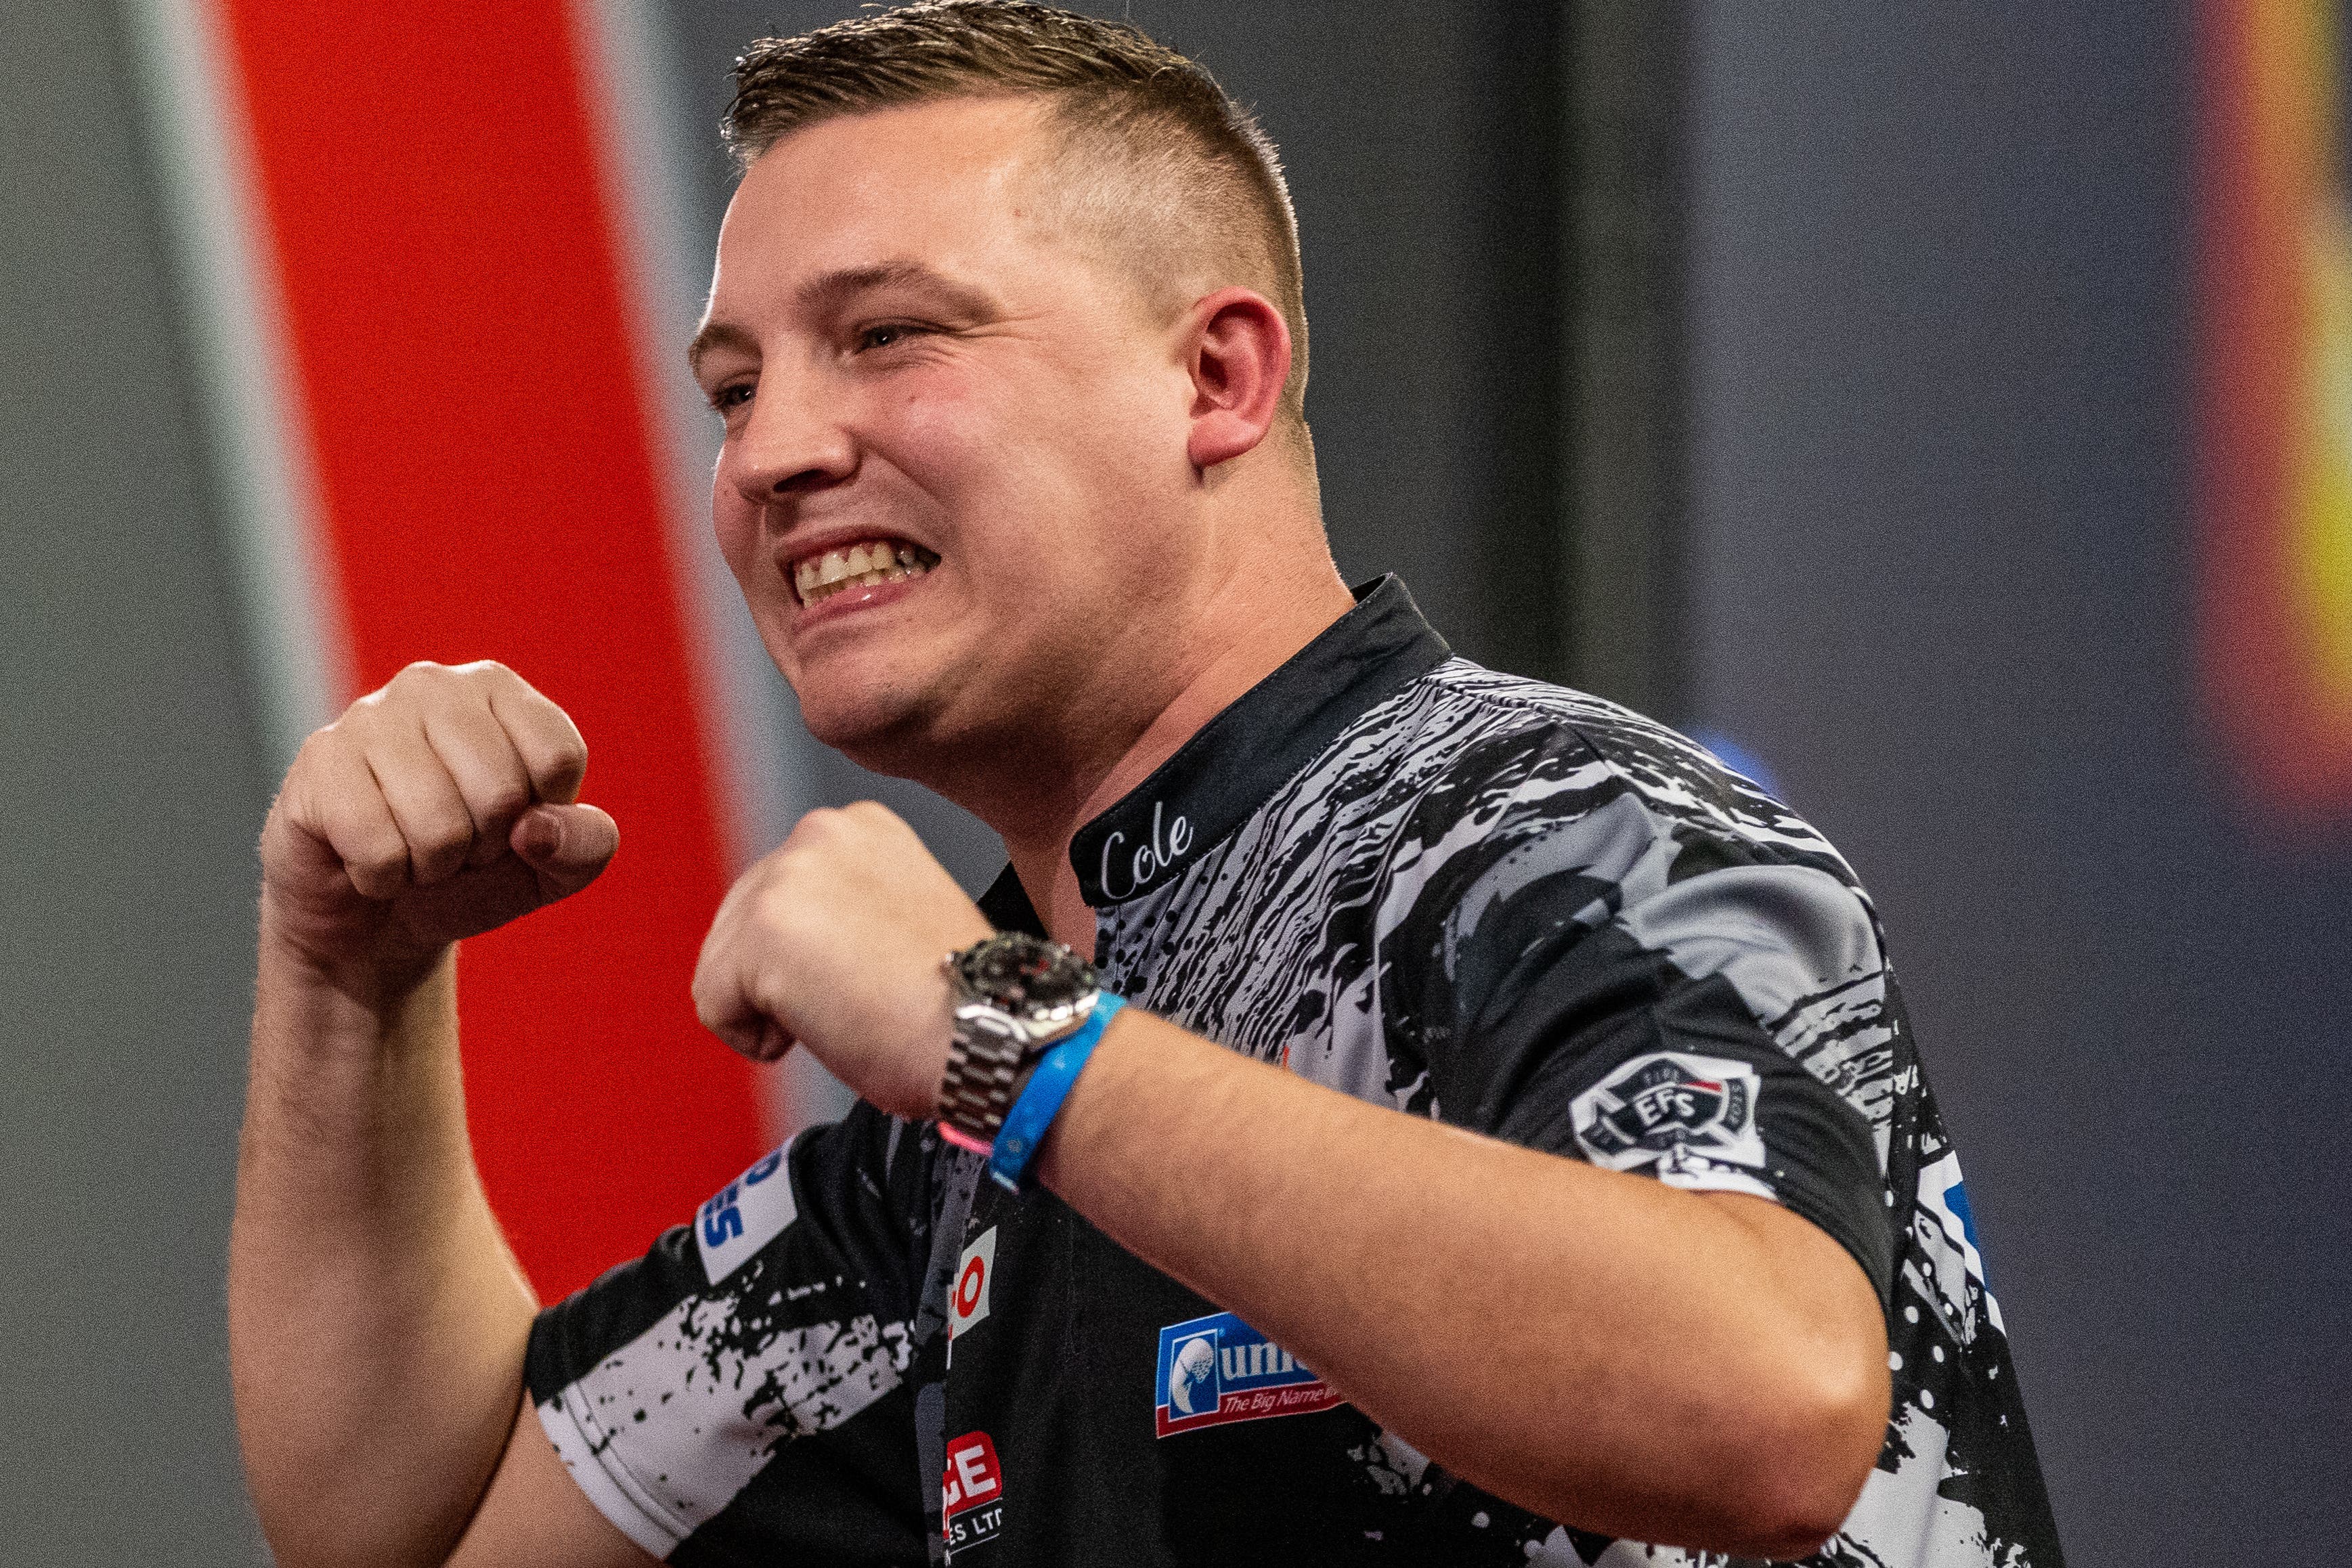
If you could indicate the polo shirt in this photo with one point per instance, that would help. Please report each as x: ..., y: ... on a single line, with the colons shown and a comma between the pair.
x: 1464, y: 896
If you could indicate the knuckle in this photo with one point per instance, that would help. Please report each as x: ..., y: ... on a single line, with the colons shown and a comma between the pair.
x: 820, y: 826
x: 377, y: 864
x: 450, y: 831
x: 561, y: 775
x: 414, y: 687
x: 507, y: 798
x: 788, y: 889
x: 782, y: 922
x: 313, y: 753
x: 745, y: 904
x: 876, y: 823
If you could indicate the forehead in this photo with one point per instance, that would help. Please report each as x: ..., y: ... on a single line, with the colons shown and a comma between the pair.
x: 949, y: 182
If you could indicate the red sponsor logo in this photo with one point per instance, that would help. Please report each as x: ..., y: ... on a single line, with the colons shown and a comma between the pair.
x: 971, y: 1493
x: 1256, y: 1404
x: 968, y: 1301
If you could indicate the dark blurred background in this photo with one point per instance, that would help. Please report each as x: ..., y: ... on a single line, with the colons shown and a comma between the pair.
x: 1820, y: 379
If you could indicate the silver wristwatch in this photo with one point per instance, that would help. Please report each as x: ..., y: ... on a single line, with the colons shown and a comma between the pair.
x: 1015, y: 995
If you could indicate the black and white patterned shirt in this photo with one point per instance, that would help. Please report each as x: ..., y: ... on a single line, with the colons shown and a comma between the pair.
x: 1470, y: 897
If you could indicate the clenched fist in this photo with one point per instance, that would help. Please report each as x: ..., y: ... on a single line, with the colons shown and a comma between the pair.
x: 835, y: 942
x: 439, y: 807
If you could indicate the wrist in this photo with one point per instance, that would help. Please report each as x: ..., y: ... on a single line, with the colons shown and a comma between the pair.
x: 1014, y: 996
x: 1098, y: 1084
x: 343, y: 993
x: 1040, y: 1097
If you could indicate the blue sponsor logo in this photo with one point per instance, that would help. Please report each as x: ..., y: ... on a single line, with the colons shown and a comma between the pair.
x: 1218, y: 1369
x: 745, y: 1216
x: 723, y: 1214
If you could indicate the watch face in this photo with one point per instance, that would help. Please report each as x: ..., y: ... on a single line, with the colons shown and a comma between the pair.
x: 1021, y: 973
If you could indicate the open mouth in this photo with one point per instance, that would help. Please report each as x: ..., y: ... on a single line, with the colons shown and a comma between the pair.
x: 868, y: 563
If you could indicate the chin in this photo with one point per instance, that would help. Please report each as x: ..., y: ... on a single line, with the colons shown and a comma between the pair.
x: 847, y: 722
x: 878, y: 733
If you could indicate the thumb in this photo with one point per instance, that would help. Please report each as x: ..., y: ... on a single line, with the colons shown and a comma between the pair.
x: 567, y: 846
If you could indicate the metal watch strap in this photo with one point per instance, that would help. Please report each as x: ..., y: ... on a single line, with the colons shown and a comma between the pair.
x: 1014, y: 994
x: 983, y: 1062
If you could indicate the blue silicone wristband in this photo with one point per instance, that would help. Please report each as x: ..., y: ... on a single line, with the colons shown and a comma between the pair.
x: 1026, y: 1123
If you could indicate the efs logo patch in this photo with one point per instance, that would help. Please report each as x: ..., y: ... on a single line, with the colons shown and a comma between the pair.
x: 745, y: 1216
x: 971, y: 1493
x: 1690, y: 1121
x: 1218, y: 1369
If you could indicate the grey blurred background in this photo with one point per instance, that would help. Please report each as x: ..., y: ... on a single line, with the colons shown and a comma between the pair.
x: 1815, y: 377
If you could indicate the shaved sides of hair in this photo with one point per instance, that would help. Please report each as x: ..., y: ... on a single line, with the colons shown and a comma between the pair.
x: 1156, y: 161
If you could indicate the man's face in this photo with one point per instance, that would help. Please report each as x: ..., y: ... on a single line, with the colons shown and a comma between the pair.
x: 919, y: 381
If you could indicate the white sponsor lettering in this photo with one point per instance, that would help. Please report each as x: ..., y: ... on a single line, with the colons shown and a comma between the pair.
x: 972, y: 1472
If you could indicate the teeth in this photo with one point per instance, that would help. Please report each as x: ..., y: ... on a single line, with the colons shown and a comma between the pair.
x: 868, y: 564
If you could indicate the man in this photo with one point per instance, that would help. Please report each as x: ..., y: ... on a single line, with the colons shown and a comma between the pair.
x: 1510, y: 1149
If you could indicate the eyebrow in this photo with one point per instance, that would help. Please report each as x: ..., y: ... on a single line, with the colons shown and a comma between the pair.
x: 833, y: 289
x: 717, y: 336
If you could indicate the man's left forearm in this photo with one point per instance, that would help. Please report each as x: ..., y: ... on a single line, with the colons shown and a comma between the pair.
x: 1696, y: 1368
x: 1683, y: 1368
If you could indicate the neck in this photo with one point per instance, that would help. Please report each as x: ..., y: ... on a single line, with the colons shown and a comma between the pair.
x: 1263, y: 587
x: 1248, y: 652
x: 1129, y: 714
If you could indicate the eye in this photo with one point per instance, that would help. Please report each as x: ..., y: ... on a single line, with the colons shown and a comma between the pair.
x: 734, y: 394
x: 883, y: 334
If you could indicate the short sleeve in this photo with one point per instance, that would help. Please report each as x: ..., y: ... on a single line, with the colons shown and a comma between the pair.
x: 738, y: 1394
x: 1652, y: 998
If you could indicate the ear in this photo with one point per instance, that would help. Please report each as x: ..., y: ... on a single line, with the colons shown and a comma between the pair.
x: 1238, y: 351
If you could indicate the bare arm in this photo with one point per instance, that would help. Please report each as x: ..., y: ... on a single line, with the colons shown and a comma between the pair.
x: 376, y: 1320
x: 1682, y: 1368
x: 1692, y: 1369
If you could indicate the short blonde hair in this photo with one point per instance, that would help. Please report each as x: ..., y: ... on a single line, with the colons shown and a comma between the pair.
x: 1162, y: 139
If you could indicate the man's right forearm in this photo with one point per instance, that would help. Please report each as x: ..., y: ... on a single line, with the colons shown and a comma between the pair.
x: 376, y: 1319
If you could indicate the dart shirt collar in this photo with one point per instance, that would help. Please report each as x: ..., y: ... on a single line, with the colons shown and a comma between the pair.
x: 1236, y: 761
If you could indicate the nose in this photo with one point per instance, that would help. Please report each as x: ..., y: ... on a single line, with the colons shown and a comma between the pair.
x: 794, y: 439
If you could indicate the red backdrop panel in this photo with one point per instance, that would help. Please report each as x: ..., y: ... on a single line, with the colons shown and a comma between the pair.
x: 462, y: 349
